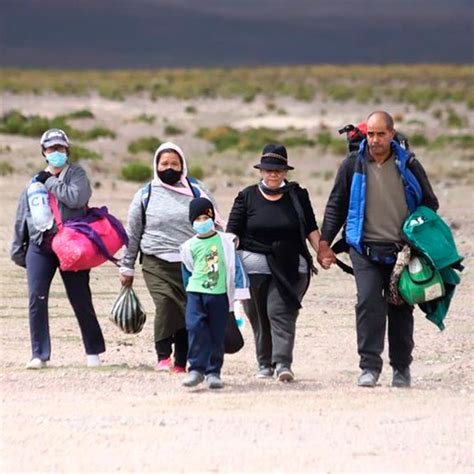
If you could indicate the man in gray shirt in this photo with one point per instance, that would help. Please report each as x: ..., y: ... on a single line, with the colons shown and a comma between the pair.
x: 376, y: 188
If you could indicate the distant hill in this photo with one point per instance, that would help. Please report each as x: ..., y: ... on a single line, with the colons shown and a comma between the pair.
x: 183, y: 33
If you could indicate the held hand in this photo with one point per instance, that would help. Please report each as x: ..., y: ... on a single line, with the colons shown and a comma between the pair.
x: 326, y: 257
x: 126, y: 280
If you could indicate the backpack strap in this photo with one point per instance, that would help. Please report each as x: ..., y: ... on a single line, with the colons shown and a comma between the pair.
x: 145, y: 200
x: 194, y: 185
x: 53, y: 203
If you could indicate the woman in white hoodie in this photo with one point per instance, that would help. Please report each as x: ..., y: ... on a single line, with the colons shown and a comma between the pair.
x: 158, y: 224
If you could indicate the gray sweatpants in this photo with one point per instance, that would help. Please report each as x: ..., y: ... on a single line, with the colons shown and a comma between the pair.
x: 273, y: 324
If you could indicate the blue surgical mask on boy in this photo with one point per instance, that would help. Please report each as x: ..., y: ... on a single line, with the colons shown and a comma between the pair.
x: 203, y: 227
x: 56, y: 159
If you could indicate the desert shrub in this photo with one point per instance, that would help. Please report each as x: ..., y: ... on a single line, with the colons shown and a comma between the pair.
x: 196, y: 171
x: 16, y: 123
x: 470, y: 102
x: 454, y: 120
x: 337, y: 146
x: 190, y: 109
x: 136, y: 171
x: 6, y: 168
x: 173, y: 130
x: 145, y: 118
x: 5, y: 149
x: 418, y: 122
x: 146, y: 144
x: 254, y: 139
x: 364, y: 94
x: 339, y: 92
x: 94, y: 133
x: 270, y: 106
x: 324, y: 139
x: 293, y: 141
x: 304, y: 92
x: 78, y: 152
x: 437, y: 113
x: 82, y: 113
x: 248, y: 97
x: 222, y: 137
x: 418, y: 139
x: 109, y: 92
x: 464, y: 142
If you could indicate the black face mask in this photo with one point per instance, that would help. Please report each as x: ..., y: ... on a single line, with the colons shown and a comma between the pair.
x: 169, y: 176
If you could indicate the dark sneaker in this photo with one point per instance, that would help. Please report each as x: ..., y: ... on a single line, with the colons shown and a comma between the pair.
x: 214, y: 381
x: 284, y: 374
x: 264, y: 372
x: 368, y: 378
x: 193, y: 378
x: 401, y: 378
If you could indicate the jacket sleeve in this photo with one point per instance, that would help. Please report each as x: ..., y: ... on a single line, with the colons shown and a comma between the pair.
x: 429, y: 198
x: 236, y: 223
x: 185, y: 275
x: 20, y: 232
x: 335, y: 214
x: 241, y: 280
x: 76, y: 193
x: 135, y: 230
x: 186, y: 263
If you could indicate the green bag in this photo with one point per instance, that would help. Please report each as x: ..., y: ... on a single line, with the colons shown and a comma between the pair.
x: 420, y: 282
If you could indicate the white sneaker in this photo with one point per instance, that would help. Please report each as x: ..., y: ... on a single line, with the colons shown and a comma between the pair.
x: 93, y: 360
x: 36, y: 364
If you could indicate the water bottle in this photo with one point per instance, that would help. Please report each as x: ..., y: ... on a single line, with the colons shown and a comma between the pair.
x: 239, y: 314
x: 38, y: 201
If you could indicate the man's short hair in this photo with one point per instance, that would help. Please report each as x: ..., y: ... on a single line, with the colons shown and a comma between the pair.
x: 385, y: 116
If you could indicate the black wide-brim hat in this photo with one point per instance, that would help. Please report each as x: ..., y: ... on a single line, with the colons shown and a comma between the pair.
x: 274, y: 157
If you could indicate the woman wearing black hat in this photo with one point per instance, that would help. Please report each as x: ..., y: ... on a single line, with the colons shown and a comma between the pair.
x: 273, y: 219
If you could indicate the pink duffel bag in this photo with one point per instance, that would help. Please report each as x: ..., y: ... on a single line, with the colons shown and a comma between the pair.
x: 88, y: 241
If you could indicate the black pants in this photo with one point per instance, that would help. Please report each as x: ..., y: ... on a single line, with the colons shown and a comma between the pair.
x: 371, y: 315
x: 41, y: 265
x: 273, y: 324
x: 180, y: 341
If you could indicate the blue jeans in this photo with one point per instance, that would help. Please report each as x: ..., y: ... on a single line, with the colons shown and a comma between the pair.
x: 206, y: 321
x: 41, y: 265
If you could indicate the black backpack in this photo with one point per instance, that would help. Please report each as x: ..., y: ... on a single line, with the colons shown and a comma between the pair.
x: 356, y: 133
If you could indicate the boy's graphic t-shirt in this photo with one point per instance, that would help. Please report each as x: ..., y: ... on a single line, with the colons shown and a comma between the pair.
x: 209, y: 274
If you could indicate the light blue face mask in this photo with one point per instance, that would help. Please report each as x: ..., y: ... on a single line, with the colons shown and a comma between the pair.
x: 203, y: 227
x: 56, y: 159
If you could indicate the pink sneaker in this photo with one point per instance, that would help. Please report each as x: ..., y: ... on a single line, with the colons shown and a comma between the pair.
x: 164, y: 365
x: 177, y: 369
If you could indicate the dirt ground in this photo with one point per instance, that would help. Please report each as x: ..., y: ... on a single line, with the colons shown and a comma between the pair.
x: 125, y: 417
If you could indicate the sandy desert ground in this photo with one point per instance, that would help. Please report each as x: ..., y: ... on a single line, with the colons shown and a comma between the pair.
x: 125, y: 417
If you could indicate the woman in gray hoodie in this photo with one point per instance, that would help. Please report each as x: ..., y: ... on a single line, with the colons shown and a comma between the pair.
x: 158, y: 224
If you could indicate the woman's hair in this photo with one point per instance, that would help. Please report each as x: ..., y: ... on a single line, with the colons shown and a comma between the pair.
x: 169, y: 150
